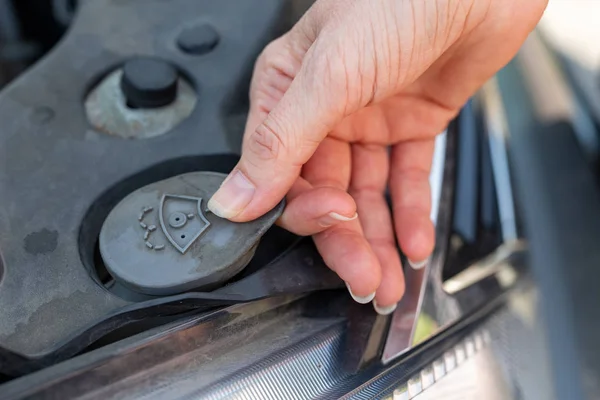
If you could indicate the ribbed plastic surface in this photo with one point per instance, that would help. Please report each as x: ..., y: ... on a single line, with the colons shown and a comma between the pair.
x: 314, y: 361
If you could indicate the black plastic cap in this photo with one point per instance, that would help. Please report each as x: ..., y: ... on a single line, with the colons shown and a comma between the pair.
x: 149, y: 82
x: 198, y: 39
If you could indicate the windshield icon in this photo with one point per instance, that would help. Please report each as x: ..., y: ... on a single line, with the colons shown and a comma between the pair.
x: 182, y: 220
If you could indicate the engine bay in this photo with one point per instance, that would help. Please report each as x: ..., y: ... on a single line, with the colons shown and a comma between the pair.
x: 114, y: 140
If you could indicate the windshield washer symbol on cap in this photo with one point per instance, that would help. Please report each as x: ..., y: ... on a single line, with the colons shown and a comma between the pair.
x: 182, y: 220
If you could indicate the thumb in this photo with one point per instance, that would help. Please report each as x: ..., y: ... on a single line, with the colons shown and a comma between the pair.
x: 274, y: 152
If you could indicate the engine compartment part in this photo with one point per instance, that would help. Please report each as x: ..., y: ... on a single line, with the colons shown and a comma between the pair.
x: 144, y: 99
x: 60, y: 177
x: 297, y: 271
x: 299, y: 350
x: 161, y: 240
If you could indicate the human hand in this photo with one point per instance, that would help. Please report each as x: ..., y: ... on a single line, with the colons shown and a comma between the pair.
x: 348, y: 103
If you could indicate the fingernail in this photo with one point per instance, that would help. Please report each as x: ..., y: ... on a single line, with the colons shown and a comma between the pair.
x: 417, y: 264
x: 383, y: 310
x: 333, y: 218
x: 232, y: 197
x: 359, y: 299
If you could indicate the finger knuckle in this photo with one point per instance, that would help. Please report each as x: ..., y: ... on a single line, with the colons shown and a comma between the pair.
x: 266, y: 143
x: 272, y: 49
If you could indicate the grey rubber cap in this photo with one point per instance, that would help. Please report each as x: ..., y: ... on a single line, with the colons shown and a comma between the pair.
x: 160, y: 240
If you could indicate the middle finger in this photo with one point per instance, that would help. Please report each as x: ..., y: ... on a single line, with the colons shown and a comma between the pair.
x: 370, y: 170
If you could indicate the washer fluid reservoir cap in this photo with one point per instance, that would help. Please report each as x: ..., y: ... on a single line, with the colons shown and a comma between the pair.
x: 161, y: 240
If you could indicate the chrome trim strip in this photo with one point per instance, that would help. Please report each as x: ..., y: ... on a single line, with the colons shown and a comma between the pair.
x: 436, y: 176
x: 404, y: 319
x: 497, y: 131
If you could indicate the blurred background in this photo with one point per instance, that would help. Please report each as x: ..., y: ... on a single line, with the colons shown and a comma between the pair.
x: 29, y: 28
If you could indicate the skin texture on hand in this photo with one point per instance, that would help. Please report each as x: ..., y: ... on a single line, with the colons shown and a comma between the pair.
x: 347, y: 104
